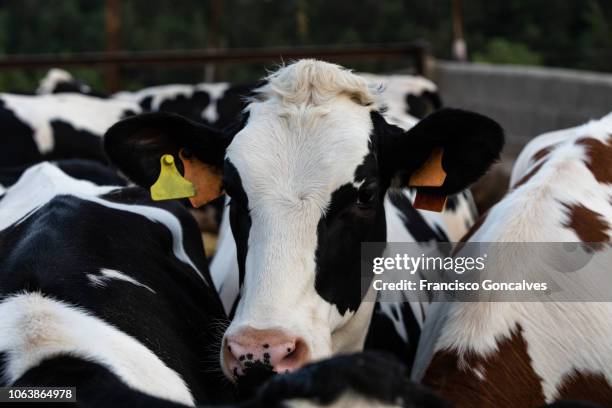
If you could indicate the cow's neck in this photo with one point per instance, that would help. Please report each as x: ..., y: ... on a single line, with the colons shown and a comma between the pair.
x: 351, y: 337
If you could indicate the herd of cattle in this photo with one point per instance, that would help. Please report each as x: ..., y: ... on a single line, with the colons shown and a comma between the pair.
x: 104, y: 289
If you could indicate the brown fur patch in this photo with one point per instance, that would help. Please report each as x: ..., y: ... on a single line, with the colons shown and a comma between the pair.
x: 507, y: 378
x: 590, y: 226
x: 586, y: 386
x: 599, y: 158
x: 540, y: 154
x: 529, y: 175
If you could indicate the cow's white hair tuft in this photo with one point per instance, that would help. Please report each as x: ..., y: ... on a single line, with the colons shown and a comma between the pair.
x: 316, y: 83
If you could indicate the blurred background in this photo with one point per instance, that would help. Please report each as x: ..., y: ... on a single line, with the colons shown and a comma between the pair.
x: 555, y: 33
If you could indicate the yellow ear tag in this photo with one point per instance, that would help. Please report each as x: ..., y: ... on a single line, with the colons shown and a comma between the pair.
x: 170, y: 184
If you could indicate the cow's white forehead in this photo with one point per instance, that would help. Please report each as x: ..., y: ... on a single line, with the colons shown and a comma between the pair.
x: 307, y: 133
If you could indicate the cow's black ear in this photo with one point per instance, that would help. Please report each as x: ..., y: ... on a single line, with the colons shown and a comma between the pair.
x: 135, y: 145
x: 442, y: 154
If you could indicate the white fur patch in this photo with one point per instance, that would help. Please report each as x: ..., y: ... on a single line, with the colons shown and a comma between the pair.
x: 107, y: 275
x: 94, y: 115
x: 349, y: 399
x: 42, y: 182
x: 561, y: 337
x: 35, y: 328
x: 162, y: 93
x: 215, y: 92
x: 395, y: 89
x: 53, y: 78
x: 224, y: 265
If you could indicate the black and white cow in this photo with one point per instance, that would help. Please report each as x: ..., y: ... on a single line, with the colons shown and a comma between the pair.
x: 102, y: 287
x: 411, y: 95
x: 217, y: 104
x: 105, y: 291
x: 407, y: 97
x: 60, y: 81
x: 307, y: 174
x: 51, y: 127
x: 79, y: 169
x: 395, y: 325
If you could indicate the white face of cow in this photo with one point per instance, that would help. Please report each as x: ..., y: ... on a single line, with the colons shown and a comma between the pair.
x: 287, y: 162
x: 307, y: 174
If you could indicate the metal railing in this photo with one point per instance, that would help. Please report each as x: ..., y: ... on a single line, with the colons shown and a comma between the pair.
x: 416, y: 51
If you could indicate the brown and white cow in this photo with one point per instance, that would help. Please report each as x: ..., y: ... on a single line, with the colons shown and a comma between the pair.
x: 511, y: 354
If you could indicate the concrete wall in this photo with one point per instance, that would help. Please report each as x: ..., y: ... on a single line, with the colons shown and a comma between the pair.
x: 527, y: 101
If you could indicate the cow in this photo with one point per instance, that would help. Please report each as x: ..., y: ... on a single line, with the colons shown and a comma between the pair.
x: 52, y: 127
x: 61, y: 81
x: 407, y: 97
x: 103, y: 290
x: 99, y: 282
x: 503, y: 353
x: 79, y: 169
x: 396, y: 325
x: 216, y: 104
x: 411, y: 95
x: 307, y: 174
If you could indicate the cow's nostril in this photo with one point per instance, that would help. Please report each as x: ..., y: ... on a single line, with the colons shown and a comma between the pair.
x: 295, y: 357
x: 253, y: 350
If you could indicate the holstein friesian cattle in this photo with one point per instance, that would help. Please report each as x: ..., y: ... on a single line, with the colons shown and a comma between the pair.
x: 79, y: 169
x: 407, y: 97
x: 307, y: 174
x: 60, y: 81
x: 101, y: 288
x: 105, y: 291
x: 217, y: 104
x: 411, y: 95
x: 508, y: 354
x: 396, y: 325
x: 51, y: 127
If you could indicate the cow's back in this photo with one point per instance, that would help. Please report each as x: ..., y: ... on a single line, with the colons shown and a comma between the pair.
x: 108, y: 262
x: 529, y: 353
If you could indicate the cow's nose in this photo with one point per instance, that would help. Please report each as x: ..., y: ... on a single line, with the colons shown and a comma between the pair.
x: 273, y: 349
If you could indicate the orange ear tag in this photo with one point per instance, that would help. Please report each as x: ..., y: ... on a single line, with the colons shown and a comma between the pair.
x: 205, y: 178
x: 430, y: 174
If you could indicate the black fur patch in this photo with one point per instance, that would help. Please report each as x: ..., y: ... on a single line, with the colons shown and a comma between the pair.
x: 373, y: 376
x: 471, y: 143
x: 239, y: 217
x: 422, y: 105
x: 96, y: 386
x: 135, y: 145
x: 67, y: 238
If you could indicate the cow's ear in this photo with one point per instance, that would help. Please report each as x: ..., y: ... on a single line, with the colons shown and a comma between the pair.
x: 153, y: 148
x: 441, y: 155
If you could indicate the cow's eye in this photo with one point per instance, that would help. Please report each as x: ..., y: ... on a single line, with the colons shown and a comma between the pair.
x: 365, y: 196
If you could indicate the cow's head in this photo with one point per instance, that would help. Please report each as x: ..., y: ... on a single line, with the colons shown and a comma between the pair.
x: 307, y: 173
